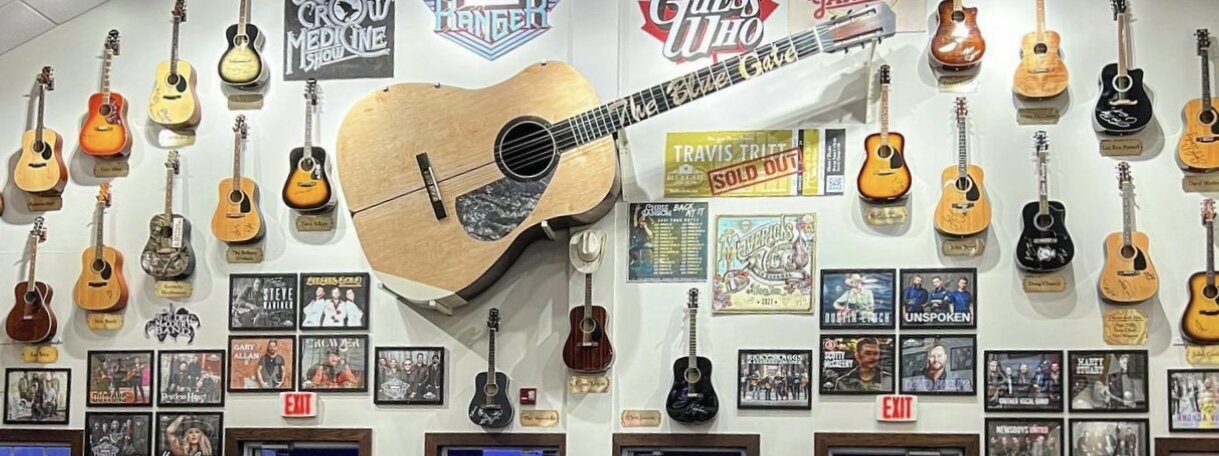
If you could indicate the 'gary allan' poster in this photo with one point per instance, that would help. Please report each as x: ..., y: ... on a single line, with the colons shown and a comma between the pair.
x: 338, y: 39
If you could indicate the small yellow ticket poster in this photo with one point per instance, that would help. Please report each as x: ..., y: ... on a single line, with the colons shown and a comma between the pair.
x: 755, y: 163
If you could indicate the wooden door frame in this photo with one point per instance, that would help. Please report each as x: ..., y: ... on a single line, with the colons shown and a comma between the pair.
x: 433, y: 441
x: 822, y: 441
x: 751, y: 443
x: 75, y: 439
x: 234, y: 437
x: 1166, y: 445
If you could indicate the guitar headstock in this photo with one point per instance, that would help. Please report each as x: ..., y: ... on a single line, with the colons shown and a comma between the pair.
x: 1042, y: 144
x: 1208, y: 211
x: 179, y: 11
x: 1124, y: 179
x: 240, y: 127
x: 46, y: 79
x: 493, y: 319
x: 39, y: 231
x: 961, y: 107
x: 884, y: 74
x: 171, y: 163
x: 103, y: 194
x: 311, y: 91
x: 692, y: 296
x: 859, y: 27
x: 1204, y: 40
x: 112, y: 42
x: 1119, y: 7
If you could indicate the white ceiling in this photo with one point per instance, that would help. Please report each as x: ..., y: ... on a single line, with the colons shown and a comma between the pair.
x: 23, y: 20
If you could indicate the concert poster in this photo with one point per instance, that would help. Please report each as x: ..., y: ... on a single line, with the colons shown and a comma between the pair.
x: 1024, y: 436
x: 754, y: 163
x: 938, y: 365
x: 944, y: 298
x: 409, y: 375
x: 857, y: 298
x: 119, y: 379
x: 37, y: 396
x: 764, y: 263
x: 338, y: 39
x: 1108, y: 381
x: 190, y: 378
x: 1193, y: 400
x: 261, y: 363
x: 118, y: 434
x: 802, y: 14
x: 1102, y: 437
x: 333, y: 363
x: 334, y: 301
x: 190, y: 433
x: 860, y: 364
x: 259, y: 302
x: 668, y: 242
x: 774, y: 379
x: 1024, y: 381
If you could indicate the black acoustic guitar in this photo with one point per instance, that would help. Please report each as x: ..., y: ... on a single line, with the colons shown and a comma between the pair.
x: 490, y: 406
x: 692, y: 398
x: 1124, y: 107
x: 1045, y: 245
x: 168, y: 254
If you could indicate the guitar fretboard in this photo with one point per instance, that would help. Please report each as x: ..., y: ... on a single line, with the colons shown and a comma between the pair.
x: 962, y: 147
x: 98, y: 217
x: 693, y: 337
x: 1043, y: 183
x: 106, y: 59
x: 238, y: 140
x: 1123, y: 63
x: 1127, y: 214
x: 42, y: 95
x: 1040, y: 21
x: 173, y: 53
x: 884, y: 114
x: 243, y: 17
x: 1210, y: 253
x: 1206, y: 81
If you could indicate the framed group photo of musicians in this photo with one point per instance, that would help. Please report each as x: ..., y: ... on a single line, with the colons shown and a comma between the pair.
x: 774, y: 379
x: 1023, y: 380
x: 119, y: 378
x: 857, y: 298
x: 1025, y: 436
x: 1108, y: 381
x: 118, y: 433
x: 1193, y: 400
x: 190, y: 378
x: 409, y: 376
x: 945, y: 298
x: 334, y: 301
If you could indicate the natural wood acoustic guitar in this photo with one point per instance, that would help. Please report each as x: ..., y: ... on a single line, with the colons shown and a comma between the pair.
x: 101, y: 286
x: 1200, y: 321
x: 1042, y: 73
x: 964, y: 209
x: 957, y: 43
x: 1198, y: 149
x: 237, y: 219
x: 40, y: 169
x: 1129, y: 276
x: 174, y: 102
x: 104, y: 133
x: 884, y: 175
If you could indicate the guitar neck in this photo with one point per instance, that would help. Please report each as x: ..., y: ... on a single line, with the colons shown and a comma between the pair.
x: 588, y: 295
x: 243, y: 18
x: 38, y: 127
x: 237, y: 160
x: 958, y: 5
x: 884, y: 113
x: 169, y: 195
x: 962, y: 148
x: 1210, y: 253
x: 1123, y: 56
x: 693, y: 338
x: 308, y: 128
x: 1040, y: 21
x: 1043, y: 186
x: 29, y: 281
x: 106, y: 59
x: 98, y: 218
x: 173, y: 53
x: 491, y: 359
x: 1206, y: 81
x: 1127, y: 217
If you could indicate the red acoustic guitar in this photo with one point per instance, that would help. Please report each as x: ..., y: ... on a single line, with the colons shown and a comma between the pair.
x: 32, y: 321
x: 588, y: 347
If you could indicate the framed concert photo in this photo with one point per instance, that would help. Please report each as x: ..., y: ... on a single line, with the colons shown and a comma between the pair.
x: 37, y: 396
x: 939, y: 298
x: 859, y: 364
x: 1107, y: 381
x: 774, y: 379
x: 334, y: 301
x: 263, y: 302
x: 190, y: 433
x: 1129, y: 437
x: 938, y: 365
x: 858, y: 298
x: 1193, y: 400
x: 337, y: 363
x: 1025, y: 436
x: 119, y: 379
x: 118, y: 433
x: 1023, y: 380
x: 190, y: 378
x: 261, y: 364
x: 409, y: 376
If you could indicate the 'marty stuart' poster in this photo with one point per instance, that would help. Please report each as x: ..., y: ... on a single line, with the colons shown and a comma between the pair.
x: 754, y: 163
x: 668, y: 242
x: 764, y: 263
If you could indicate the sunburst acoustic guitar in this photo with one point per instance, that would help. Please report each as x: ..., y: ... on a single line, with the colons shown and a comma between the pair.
x: 104, y: 133
x: 241, y: 65
x: 884, y: 175
x: 964, y: 209
x: 1200, y: 322
x: 101, y: 286
x: 40, y: 169
x: 307, y: 188
x: 957, y: 43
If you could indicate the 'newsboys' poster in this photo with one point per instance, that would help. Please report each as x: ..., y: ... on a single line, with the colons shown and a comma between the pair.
x: 338, y: 39
x: 668, y: 242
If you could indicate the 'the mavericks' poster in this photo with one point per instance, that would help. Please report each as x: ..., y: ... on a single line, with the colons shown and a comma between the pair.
x: 764, y: 263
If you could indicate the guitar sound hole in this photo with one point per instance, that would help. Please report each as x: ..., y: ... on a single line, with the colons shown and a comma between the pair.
x: 173, y: 80
x: 963, y: 184
x: 958, y: 16
x: 306, y: 165
x: 1043, y: 221
x: 490, y: 390
x: 525, y: 149
x: 1207, y: 117
x: 105, y: 110
x: 1210, y: 292
x: 1128, y: 251
x: 588, y: 325
x: 30, y: 297
x: 39, y: 147
x: 1041, y: 48
x: 884, y: 152
x: 240, y: 40
x: 98, y: 266
x: 693, y: 375
x: 1123, y: 83
x: 235, y: 197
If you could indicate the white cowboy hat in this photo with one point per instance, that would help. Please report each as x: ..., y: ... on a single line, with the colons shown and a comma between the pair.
x: 586, y: 250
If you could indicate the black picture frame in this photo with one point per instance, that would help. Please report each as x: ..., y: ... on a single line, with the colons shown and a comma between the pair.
x: 161, y: 378
x: 1171, y: 393
x: 742, y: 363
x: 1054, y: 405
x: 218, y: 427
x: 1076, y: 397
x: 342, y: 279
x: 834, y: 278
x: 303, y: 372
x: 991, y: 423
x: 90, y: 378
x: 1144, y: 422
x: 103, y: 417
x: 379, y: 398
x: 233, y: 298
x: 289, y: 360
x: 67, y: 395
x: 905, y: 305
x: 823, y: 377
x: 908, y: 367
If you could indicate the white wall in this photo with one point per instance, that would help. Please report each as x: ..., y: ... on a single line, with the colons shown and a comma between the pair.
x: 646, y: 319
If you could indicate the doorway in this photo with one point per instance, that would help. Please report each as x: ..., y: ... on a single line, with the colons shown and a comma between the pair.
x: 297, y: 442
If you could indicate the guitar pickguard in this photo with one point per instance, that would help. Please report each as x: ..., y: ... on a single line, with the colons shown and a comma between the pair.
x: 492, y: 211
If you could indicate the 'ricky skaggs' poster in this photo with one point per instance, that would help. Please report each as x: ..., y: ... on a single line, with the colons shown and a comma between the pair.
x: 754, y: 163
x: 764, y: 263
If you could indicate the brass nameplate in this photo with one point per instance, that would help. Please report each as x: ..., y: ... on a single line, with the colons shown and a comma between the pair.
x: 1200, y: 183
x: 1125, y: 327
x: 111, y: 168
x: 1121, y: 147
x: 1045, y: 284
x: 641, y: 418
x: 41, y: 354
x: 167, y: 138
x: 972, y: 246
x: 245, y: 100
x: 174, y: 289
x: 1202, y: 355
x: 315, y: 222
x: 585, y: 384
x: 886, y: 215
x: 957, y: 80
x: 1037, y: 116
x: 244, y: 255
x: 102, y: 321
x: 539, y: 418
x: 35, y: 203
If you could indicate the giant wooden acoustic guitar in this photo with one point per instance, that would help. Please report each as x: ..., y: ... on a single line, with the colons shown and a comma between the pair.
x: 168, y: 254
x: 101, y: 286
x: 963, y: 209
x: 237, y: 219
x: 241, y: 64
x: 32, y: 320
x: 884, y: 175
x: 957, y: 43
x: 174, y: 102
x: 104, y: 133
x: 307, y: 188
x: 692, y: 398
x: 1124, y: 107
x: 490, y: 406
x: 1199, y: 146
x: 1200, y: 322
x: 1129, y: 276
x: 1042, y: 73
x: 40, y: 169
x: 475, y: 175
x: 1044, y: 244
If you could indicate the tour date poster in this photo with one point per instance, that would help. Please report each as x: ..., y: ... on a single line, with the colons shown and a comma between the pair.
x: 338, y: 39
x: 668, y: 242
x: 764, y: 263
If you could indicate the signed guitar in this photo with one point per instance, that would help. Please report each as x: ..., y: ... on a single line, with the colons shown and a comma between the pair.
x: 1042, y: 73
x: 490, y: 406
x: 884, y: 176
x: 104, y: 133
x: 475, y: 175
x: 308, y: 187
x: 692, y: 398
x: 1044, y: 245
x: 168, y: 255
x: 32, y: 320
x: 963, y: 209
x: 957, y: 43
x: 101, y: 286
x: 1128, y: 276
x: 241, y: 64
x: 237, y: 219
x: 1124, y: 107
x: 174, y: 103
x: 1200, y: 323
x: 40, y: 168
x: 1199, y: 146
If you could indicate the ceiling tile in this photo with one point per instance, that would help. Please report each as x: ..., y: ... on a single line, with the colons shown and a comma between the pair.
x: 61, y: 11
x: 18, y: 24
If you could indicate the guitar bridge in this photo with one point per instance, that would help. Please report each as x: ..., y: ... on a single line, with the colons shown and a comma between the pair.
x: 963, y: 206
x: 433, y: 188
x: 1045, y: 241
x: 38, y: 165
x: 694, y: 395
x: 589, y: 344
x: 1208, y: 139
x: 97, y: 284
x: 1127, y: 273
x: 1123, y: 102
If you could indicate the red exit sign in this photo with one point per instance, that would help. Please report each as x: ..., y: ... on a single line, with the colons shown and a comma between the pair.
x: 299, y: 404
x: 896, y: 407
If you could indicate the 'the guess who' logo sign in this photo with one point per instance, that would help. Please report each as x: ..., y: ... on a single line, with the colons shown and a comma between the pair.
x: 693, y: 29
